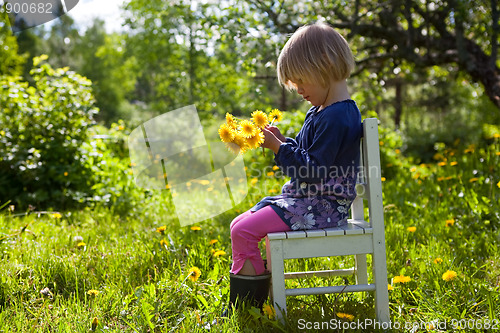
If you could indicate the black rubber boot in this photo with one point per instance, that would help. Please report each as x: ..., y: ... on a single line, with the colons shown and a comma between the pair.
x: 246, y: 288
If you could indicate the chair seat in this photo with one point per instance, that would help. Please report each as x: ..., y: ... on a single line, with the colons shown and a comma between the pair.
x: 353, y: 227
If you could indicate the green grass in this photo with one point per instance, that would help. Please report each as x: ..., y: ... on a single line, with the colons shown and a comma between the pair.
x: 144, y: 286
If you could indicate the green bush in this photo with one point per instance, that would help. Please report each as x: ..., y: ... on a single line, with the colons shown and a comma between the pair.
x: 44, y: 126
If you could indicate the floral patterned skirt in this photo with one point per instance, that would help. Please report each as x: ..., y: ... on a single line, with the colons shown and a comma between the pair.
x: 313, y: 206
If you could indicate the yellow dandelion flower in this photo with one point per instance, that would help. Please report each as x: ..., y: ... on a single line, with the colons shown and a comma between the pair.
x: 275, y: 167
x: 219, y: 253
x: 194, y: 273
x: 270, y: 174
x: 93, y: 292
x: 275, y: 115
x: 161, y: 229
x: 450, y: 222
x: 95, y: 322
x: 65, y: 174
x: 470, y: 149
x: 383, y: 179
x: 195, y: 228
x: 412, y: 229
x: 453, y: 163
x: 80, y: 244
x: 498, y: 184
x: 269, y: 311
x: 213, y: 241
x: 233, y: 147
x: 260, y: 118
x: 474, y: 179
x: 437, y: 261
x: 256, y: 140
x: 254, y: 181
x: 163, y: 243
x: 226, y: 133
x: 401, y: 279
x: 390, y: 287
x: 440, y: 179
x: 345, y: 316
x: 240, y: 140
x: 449, y: 275
x: 247, y: 129
x: 442, y: 163
x: 230, y: 119
x: 57, y: 215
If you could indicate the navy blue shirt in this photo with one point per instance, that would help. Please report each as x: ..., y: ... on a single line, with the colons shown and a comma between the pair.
x: 322, y: 162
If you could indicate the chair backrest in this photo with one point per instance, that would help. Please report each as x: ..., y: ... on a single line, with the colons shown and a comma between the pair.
x: 369, y: 185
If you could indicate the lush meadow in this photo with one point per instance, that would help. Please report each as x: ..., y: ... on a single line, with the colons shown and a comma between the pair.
x: 125, y: 265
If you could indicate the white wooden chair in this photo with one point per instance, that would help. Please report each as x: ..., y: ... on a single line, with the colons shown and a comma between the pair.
x: 357, y: 238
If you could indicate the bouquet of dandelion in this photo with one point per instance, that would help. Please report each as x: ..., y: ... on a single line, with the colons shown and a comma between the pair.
x: 242, y: 135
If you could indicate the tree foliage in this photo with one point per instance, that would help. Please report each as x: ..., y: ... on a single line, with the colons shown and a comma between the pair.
x: 44, y: 126
x: 389, y: 33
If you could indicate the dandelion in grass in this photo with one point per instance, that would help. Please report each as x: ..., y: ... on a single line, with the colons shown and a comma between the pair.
x: 412, y: 229
x: 213, y: 241
x: 248, y: 129
x: 269, y: 311
x: 194, y: 273
x: 65, y: 174
x: 347, y: 316
x: 498, y: 184
x: 390, y: 287
x: 57, y: 215
x: 93, y: 292
x: 161, y: 229
x: 275, y: 116
x: 401, y: 279
x: 195, y: 228
x: 260, y: 118
x: 226, y: 133
x: 163, y: 243
x: 473, y: 180
x: 449, y: 275
x: 450, y: 222
x: 94, y: 324
x: 219, y: 253
x: 81, y: 245
x: 470, y: 149
x: 438, y: 261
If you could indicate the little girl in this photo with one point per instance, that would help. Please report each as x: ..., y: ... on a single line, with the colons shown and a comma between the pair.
x: 321, y: 161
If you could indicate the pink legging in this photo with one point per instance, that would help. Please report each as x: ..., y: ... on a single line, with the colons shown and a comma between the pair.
x: 247, y: 230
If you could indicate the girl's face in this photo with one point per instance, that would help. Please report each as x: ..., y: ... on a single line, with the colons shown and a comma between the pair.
x: 314, y: 93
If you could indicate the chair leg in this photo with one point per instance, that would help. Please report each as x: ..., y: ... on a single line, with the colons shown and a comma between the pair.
x: 381, y: 291
x: 276, y: 265
x: 361, y: 269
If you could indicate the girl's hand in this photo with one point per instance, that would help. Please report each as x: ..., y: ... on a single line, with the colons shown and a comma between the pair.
x: 276, y: 131
x: 271, y: 141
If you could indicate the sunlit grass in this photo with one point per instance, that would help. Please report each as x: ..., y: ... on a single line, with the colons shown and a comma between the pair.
x: 74, y: 271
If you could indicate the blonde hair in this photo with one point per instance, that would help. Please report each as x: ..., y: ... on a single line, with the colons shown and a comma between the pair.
x: 315, y: 53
